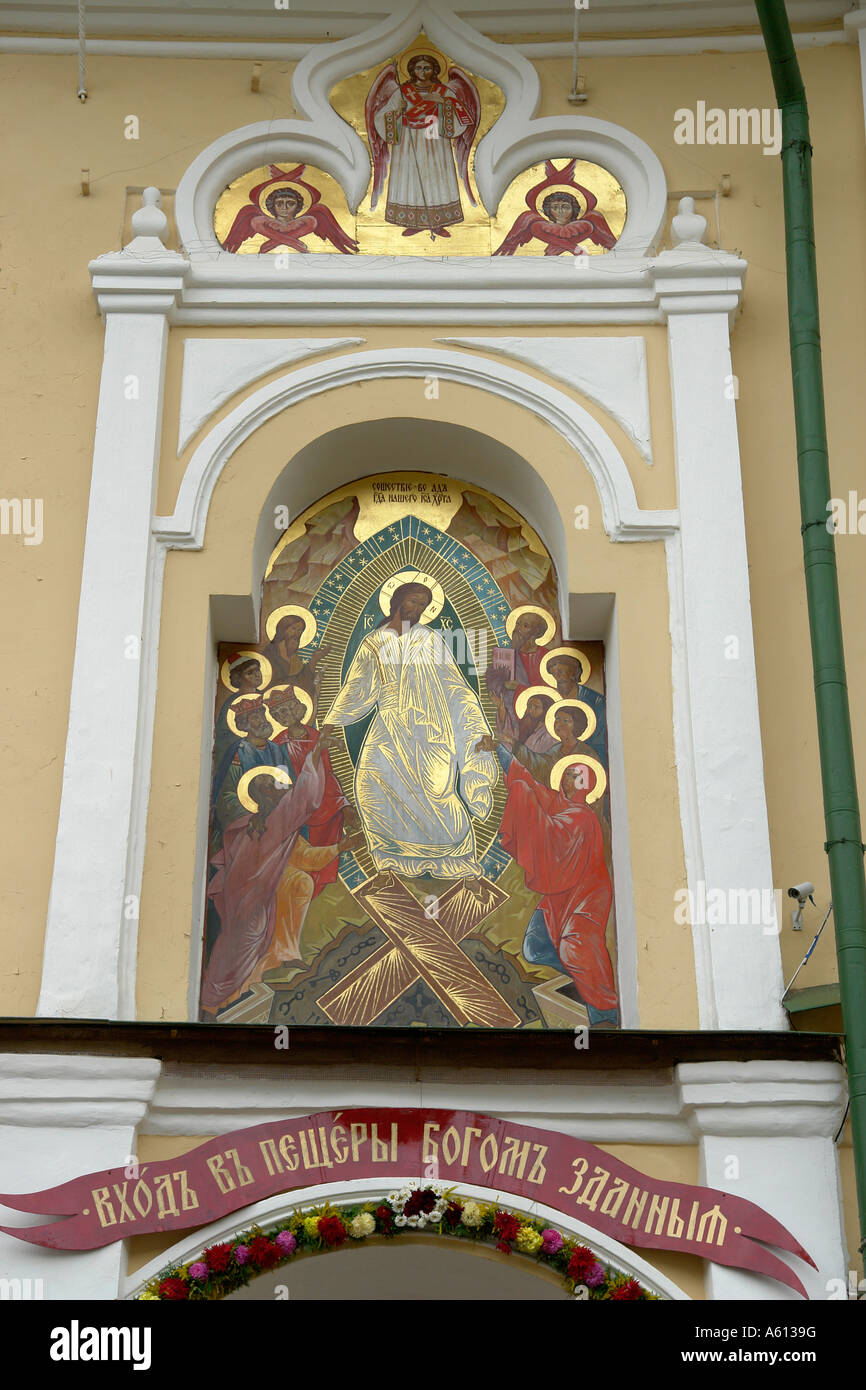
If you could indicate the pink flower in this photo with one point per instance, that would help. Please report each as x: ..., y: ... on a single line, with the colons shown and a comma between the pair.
x: 551, y: 1241
x: 286, y: 1241
x: 242, y: 1254
x: 199, y: 1270
x: 594, y: 1276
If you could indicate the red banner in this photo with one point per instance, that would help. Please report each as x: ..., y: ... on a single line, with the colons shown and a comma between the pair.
x: 444, y: 1146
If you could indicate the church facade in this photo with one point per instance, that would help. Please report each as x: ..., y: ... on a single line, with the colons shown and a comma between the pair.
x: 420, y: 744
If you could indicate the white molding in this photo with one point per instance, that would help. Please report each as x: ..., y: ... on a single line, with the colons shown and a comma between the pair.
x: 765, y: 1132
x: 214, y: 370
x: 278, y: 1208
x: 611, y: 372
x: 514, y: 143
x: 622, y: 518
x: 61, y: 1116
x: 716, y: 721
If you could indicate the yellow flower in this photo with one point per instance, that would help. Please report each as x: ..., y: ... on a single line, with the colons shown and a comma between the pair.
x: 364, y: 1224
x: 311, y: 1226
x: 472, y: 1214
x: 528, y: 1240
x: 148, y: 1297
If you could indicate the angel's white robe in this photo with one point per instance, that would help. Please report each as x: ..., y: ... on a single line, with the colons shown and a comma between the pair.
x: 422, y: 183
x: 419, y: 749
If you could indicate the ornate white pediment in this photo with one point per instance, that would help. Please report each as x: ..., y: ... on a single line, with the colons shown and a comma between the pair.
x: 516, y: 141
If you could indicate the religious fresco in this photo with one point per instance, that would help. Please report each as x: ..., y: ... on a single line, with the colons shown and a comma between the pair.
x: 410, y: 815
x: 421, y: 117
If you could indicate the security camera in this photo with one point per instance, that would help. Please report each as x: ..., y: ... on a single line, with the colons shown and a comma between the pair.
x: 802, y: 891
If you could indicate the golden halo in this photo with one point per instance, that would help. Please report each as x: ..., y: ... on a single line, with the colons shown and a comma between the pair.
x: 591, y: 719
x: 414, y: 577
x: 524, y: 696
x: 600, y: 775
x: 561, y: 188
x: 264, y: 667
x: 576, y: 655
x: 230, y: 717
x: 300, y: 694
x: 515, y: 613
x: 292, y: 610
x: 279, y: 188
x: 279, y: 774
x: 422, y: 45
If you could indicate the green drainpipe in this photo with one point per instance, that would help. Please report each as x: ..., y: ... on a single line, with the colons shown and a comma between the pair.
x: 841, y: 811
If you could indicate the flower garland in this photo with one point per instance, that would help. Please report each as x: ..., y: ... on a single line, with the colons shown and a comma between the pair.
x: 222, y: 1268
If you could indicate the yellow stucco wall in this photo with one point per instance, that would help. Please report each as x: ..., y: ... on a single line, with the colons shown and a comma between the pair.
x: 53, y: 344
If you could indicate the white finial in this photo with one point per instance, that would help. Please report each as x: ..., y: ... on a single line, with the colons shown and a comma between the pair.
x: 149, y: 220
x: 688, y: 226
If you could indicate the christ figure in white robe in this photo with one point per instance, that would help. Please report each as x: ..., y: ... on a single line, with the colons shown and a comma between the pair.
x: 422, y: 775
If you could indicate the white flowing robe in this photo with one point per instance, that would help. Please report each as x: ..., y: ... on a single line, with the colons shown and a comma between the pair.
x: 419, y: 749
x: 422, y: 183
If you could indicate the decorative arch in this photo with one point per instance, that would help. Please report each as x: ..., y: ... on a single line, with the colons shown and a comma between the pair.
x: 623, y: 519
x: 516, y: 141
x: 280, y: 1208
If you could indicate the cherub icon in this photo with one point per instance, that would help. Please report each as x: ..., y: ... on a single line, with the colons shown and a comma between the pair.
x: 284, y: 209
x: 562, y: 224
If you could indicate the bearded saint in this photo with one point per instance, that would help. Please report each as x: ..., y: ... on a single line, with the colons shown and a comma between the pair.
x: 420, y: 774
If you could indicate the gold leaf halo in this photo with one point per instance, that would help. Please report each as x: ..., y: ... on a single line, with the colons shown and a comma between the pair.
x: 279, y: 774
x: 264, y: 666
x: 576, y: 655
x: 591, y: 718
x: 524, y: 696
x: 600, y: 775
x: 422, y: 45
x: 511, y: 621
x: 433, y: 608
x: 292, y: 610
x: 299, y: 694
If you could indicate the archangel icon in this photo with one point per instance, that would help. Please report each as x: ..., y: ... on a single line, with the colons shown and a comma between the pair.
x: 422, y: 114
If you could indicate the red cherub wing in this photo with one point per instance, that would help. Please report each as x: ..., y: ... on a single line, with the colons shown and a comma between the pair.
x: 382, y: 90
x: 329, y: 229
x: 601, y: 233
x: 468, y: 96
x: 240, y: 228
x: 522, y: 231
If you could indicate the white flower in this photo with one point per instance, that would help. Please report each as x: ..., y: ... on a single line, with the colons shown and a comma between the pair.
x: 472, y: 1214
x: 364, y: 1224
x: 412, y: 1220
x: 399, y: 1221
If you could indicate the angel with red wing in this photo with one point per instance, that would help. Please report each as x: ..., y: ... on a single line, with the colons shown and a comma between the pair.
x: 284, y: 209
x: 561, y: 224
x: 423, y: 129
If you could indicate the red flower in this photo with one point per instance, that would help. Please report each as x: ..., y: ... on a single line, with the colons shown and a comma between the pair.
x: 264, y: 1254
x: 506, y: 1226
x: 217, y: 1257
x: 421, y: 1200
x: 386, y: 1216
x: 503, y: 1246
x: 173, y: 1288
x: 453, y: 1213
x: 581, y: 1262
x: 332, y: 1230
x: 628, y: 1291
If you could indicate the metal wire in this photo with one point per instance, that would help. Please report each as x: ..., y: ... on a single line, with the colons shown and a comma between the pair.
x: 82, y: 78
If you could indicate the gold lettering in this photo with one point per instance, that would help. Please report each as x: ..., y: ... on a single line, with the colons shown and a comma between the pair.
x: 244, y: 1175
x: 289, y: 1152
x: 166, y: 1202
x: 323, y: 1140
x: 675, y: 1223
x: 657, y: 1213
x: 188, y: 1195
x: 357, y: 1140
x: 707, y: 1225
x: 514, y: 1151
x: 125, y: 1213
x: 594, y: 1188
x: 429, y: 1151
x: 339, y: 1143
x: 138, y: 1202
x: 467, y: 1142
x: 225, y: 1182
x: 269, y: 1153
x: 636, y: 1204
x: 614, y: 1197
x: 538, y: 1166
x: 311, y: 1159
x: 493, y: 1143
x: 104, y: 1209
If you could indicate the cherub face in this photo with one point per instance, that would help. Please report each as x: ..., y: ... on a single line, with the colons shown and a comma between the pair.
x: 422, y: 70
x: 560, y: 211
x: 286, y: 206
